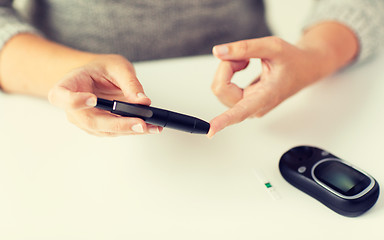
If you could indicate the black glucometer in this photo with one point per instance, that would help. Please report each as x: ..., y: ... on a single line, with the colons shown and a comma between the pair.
x: 336, y: 183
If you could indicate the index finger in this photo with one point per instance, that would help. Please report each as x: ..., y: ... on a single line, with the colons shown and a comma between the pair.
x: 67, y: 99
x: 255, y: 104
x: 236, y: 114
x: 124, y: 76
x: 265, y: 48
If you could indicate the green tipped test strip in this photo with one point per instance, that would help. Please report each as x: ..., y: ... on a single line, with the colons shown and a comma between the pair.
x: 263, y: 180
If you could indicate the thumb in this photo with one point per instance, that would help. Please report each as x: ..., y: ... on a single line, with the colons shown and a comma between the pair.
x: 62, y: 97
x: 124, y: 76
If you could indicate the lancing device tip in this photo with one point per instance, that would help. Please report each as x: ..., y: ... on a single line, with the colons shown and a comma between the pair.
x: 267, y: 184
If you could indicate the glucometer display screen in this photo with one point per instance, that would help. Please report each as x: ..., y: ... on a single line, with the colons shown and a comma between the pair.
x: 342, y: 178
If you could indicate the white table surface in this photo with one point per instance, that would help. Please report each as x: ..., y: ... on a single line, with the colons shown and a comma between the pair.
x: 58, y: 182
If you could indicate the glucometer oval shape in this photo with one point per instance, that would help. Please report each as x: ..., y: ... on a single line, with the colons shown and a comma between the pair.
x: 334, y: 182
x: 342, y: 179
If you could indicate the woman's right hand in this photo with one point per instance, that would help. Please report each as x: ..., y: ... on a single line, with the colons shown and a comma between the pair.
x: 107, y: 76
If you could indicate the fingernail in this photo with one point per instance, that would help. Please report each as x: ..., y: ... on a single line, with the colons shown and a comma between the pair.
x: 221, y: 50
x: 138, y: 128
x: 210, y: 135
x: 141, y: 95
x: 153, y: 130
x: 91, y: 102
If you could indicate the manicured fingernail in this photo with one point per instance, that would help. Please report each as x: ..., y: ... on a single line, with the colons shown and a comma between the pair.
x: 221, y: 50
x: 138, y: 128
x: 91, y: 102
x: 141, y: 95
x: 153, y: 129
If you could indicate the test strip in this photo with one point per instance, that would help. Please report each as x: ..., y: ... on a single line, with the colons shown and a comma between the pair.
x: 267, y: 184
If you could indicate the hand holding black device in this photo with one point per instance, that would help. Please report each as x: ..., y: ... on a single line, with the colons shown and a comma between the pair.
x: 336, y: 183
x: 155, y: 116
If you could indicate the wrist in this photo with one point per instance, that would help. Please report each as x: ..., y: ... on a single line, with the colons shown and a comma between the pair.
x: 30, y: 64
x: 330, y: 45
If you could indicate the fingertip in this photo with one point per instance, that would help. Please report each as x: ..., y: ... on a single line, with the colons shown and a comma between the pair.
x: 82, y: 100
x: 138, y: 128
x: 66, y: 99
x: 141, y: 95
x: 220, y: 51
x: 143, y: 99
x: 57, y: 96
x: 214, y: 51
x: 138, y: 98
x: 154, y: 129
x: 210, y: 133
x: 50, y: 95
x: 216, y: 125
x: 91, y: 101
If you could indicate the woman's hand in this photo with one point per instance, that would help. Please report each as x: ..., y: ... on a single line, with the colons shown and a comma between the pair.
x: 107, y: 76
x: 33, y: 65
x: 286, y: 69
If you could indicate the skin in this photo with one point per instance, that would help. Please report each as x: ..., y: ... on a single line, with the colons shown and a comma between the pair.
x: 286, y: 69
x: 72, y: 79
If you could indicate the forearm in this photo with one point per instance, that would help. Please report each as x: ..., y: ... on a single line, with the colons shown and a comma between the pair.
x: 332, y: 45
x: 30, y: 64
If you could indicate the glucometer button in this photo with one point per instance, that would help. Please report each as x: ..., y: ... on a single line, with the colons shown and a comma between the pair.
x: 324, y: 153
x: 302, y: 169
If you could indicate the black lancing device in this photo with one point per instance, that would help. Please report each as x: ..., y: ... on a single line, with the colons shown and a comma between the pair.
x: 155, y: 116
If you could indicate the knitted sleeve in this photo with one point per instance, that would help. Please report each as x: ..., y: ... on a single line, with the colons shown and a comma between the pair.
x: 11, y: 23
x: 364, y: 18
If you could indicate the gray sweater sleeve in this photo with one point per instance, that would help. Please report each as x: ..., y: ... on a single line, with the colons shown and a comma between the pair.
x: 11, y: 23
x: 364, y: 18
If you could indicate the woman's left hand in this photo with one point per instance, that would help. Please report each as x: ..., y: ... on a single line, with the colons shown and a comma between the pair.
x: 285, y: 70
